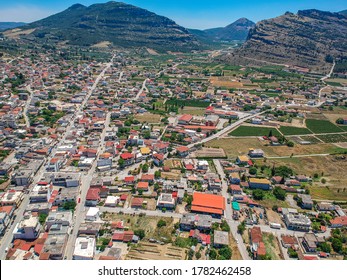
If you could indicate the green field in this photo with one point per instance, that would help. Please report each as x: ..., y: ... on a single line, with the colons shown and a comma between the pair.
x: 254, y: 131
x: 322, y: 126
x: 288, y: 130
x: 333, y: 138
x: 190, y: 103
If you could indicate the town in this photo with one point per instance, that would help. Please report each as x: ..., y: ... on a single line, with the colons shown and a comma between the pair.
x: 115, y: 155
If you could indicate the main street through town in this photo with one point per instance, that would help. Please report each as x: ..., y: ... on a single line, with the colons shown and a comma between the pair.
x: 8, y: 236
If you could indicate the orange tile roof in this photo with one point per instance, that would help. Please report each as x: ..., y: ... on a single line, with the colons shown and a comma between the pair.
x: 208, y: 200
x: 142, y: 185
x: 207, y: 210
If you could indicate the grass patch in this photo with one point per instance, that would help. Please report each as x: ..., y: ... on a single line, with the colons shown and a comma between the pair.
x: 325, y: 192
x: 254, y: 131
x: 322, y: 126
x: 288, y: 130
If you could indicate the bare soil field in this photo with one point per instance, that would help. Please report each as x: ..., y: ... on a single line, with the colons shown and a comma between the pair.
x: 148, y: 117
x: 15, y: 33
x: 210, y: 153
x: 234, y: 147
x: 332, y: 168
x: 148, y: 224
x: 173, y: 163
x: 334, y: 117
x: 172, y: 175
x: 152, y: 251
x: 103, y: 44
x: 225, y: 82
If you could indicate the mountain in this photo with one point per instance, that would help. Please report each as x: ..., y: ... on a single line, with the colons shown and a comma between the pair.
x: 10, y: 25
x: 121, y: 24
x: 344, y: 12
x: 303, y: 39
x: 238, y: 30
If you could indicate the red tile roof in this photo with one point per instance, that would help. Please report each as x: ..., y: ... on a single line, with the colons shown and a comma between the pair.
x: 186, y: 118
x: 126, y: 156
x: 147, y: 177
x: 93, y: 194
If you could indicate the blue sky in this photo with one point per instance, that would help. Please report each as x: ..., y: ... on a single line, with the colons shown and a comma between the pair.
x: 189, y: 13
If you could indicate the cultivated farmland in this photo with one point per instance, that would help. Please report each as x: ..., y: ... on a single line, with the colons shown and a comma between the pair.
x: 322, y: 126
x: 290, y: 130
x: 254, y: 131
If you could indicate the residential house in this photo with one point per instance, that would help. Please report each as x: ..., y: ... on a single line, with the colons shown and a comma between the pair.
x: 28, y: 228
x: 182, y: 151
x: 220, y: 238
x: 256, y: 153
x: 166, y: 200
x: 256, y: 183
x: 93, y: 197
x: 128, y: 158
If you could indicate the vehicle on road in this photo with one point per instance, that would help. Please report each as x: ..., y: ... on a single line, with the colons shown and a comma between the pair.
x: 275, y: 225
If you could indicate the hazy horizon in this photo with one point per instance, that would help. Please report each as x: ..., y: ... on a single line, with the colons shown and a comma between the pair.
x: 190, y: 14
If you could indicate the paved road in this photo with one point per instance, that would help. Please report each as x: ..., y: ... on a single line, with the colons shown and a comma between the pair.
x: 7, y: 238
x: 142, y: 89
x: 27, y: 104
x: 80, y: 210
x: 228, y: 213
x: 225, y: 130
x: 155, y: 213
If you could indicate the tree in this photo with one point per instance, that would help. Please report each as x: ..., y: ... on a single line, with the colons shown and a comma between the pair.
x: 42, y: 218
x: 224, y: 226
x: 323, y: 181
x: 283, y: 171
x: 325, y: 247
x: 290, y: 144
x: 241, y: 228
x: 161, y: 223
x: 145, y: 168
x: 270, y: 133
x: 226, y: 253
x: 69, y: 205
x: 213, y: 254
x: 157, y: 174
x: 292, y: 253
x: 197, y: 255
x: 279, y: 193
x: 258, y: 194
x: 337, y: 245
x: 252, y: 170
x: 340, y: 121
x: 140, y: 233
x: 121, y: 162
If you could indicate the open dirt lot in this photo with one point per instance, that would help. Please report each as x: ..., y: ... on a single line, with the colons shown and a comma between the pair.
x: 173, y: 163
x: 225, y: 82
x: 234, y: 147
x: 272, y: 246
x: 148, y: 224
x: 148, y: 117
x: 210, y: 153
x: 332, y: 168
x: 152, y: 251
x: 172, y: 175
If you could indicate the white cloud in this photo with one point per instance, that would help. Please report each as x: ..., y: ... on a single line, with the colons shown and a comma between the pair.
x: 22, y: 13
